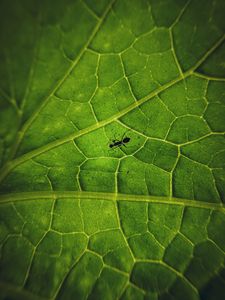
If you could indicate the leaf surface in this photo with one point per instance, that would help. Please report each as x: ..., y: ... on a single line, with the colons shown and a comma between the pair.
x: 81, y: 219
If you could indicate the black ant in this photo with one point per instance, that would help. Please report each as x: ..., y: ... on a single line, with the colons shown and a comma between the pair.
x: 122, y: 142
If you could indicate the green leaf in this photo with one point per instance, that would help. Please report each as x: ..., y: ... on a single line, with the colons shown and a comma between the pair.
x: 80, y: 219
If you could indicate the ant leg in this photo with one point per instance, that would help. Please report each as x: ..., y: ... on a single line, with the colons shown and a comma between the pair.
x: 115, y: 139
x: 125, y: 134
x: 113, y: 149
x: 110, y: 141
x: 123, y: 150
x: 126, y: 146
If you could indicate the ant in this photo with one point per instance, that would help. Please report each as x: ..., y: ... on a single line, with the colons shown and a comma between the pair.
x: 122, y: 142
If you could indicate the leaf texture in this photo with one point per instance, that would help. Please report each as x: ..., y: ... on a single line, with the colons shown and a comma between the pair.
x: 81, y: 219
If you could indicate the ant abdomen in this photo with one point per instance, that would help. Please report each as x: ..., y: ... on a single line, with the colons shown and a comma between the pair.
x: 126, y: 140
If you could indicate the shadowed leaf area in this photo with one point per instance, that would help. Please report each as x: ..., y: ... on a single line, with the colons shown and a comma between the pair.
x: 112, y: 150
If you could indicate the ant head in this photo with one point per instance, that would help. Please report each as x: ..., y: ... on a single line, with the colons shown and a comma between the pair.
x: 126, y: 140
